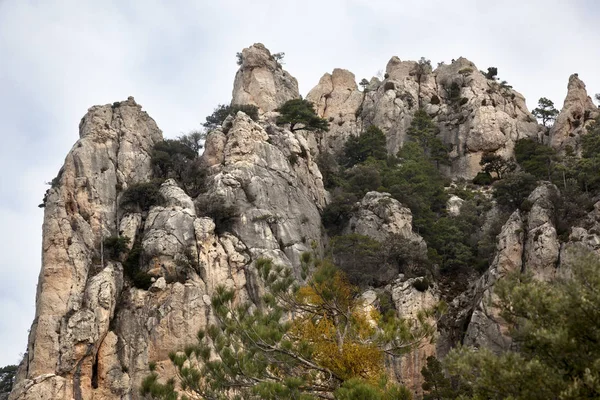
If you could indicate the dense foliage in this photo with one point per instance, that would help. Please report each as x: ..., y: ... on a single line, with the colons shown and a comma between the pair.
x: 223, y: 111
x: 455, y: 243
x: 7, y: 378
x: 300, y: 115
x: 332, y: 348
x: 141, y: 196
x: 179, y: 159
x: 545, y: 111
x: 371, y: 143
x: 556, y: 327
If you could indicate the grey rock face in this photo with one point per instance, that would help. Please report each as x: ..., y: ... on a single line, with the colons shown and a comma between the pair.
x: 261, y: 81
x: 338, y: 100
x: 77, y: 295
x: 474, y: 114
x: 380, y: 216
x: 529, y: 244
x: 577, y: 112
x: 274, y: 185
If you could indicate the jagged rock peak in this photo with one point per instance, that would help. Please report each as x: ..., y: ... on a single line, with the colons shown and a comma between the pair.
x: 474, y: 114
x: 262, y: 81
x: 337, y: 98
x: 77, y: 293
x: 577, y: 110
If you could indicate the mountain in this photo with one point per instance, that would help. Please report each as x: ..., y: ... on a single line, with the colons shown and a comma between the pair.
x: 261, y: 193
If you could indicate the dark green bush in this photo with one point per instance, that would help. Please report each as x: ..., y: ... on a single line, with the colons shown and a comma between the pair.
x: 536, y: 158
x: 139, y: 197
x: 132, y: 268
x: 511, y: 191
x: 362, y: 260
x: 301, y: 115
x: 222, y: 214
x: 223, y: 111
x: 335, y: 216
x: 453, y: 92
x: 483, y: 179
x: 491, y: 73
x: 370, y: 143
x: 115, y: 247
x: 421, y: 284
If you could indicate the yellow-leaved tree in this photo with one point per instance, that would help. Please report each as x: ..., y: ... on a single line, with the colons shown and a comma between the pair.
x: 311, y: 341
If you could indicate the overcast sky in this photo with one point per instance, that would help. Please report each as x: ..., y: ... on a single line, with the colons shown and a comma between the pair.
x: 177, y: 58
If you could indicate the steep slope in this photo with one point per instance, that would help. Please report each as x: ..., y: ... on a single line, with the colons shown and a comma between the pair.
x: 578, y: 110
x: 474, y: 114
x: 97, y: 329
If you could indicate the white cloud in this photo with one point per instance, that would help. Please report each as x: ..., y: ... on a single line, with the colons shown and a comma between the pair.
x: 59, y: 58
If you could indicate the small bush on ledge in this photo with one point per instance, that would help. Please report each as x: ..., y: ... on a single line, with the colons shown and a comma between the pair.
x: 139, y: 197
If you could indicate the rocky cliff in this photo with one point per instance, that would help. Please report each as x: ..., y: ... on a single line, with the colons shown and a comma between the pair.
x: 95, y: 332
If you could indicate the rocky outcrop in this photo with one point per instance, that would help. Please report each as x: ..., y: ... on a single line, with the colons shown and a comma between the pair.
x: 338, y: 100
x: 273, y: 183
x: 410, y: 300
x: 97, y: 328
x: 77, y: 295
x: 380, y: 216
x: 474, y: 114
x: 486, y: 328
x: 527, y: 243
x: 261, y: 81
x: 95, y: 332
x: 578, y: 110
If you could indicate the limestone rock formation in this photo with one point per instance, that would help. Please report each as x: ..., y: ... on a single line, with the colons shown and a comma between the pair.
x: 77, y: 295
x: 338, y: 100
x: 578, y: 110
x: 474, y: 114
x: 380, y: 216
x: 525, y: 244
x: 261, y: 81
x: 97, y: 327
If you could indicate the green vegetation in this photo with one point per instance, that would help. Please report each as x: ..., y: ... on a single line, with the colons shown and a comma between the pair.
x: 222, y: 214
x: 414, y: 179
x: 133, y: 270
x: 495, y: 164
x: 511, y: 191
x: 7, y: 378
x: 364, y: 84
x: 139, y: 197
x: 545, y: 111
x: 535, y: 158
x: 179, y: 159
x: 556, y: 327
x: 115, y: 247
x: 223, y: 111
x: 491, y: 73
x: 331, y: 349
x: 301, y: 115
x: 371, y: 143
x: 426, y: 134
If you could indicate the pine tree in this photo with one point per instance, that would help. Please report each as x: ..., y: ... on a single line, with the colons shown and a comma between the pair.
x: 330, y: 347
x: 545, y: 111
x: 556, y: 327
x: 301, y: 115
x: 423, y: 130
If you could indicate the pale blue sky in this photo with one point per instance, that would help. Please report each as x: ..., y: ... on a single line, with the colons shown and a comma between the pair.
x: 177, y: 58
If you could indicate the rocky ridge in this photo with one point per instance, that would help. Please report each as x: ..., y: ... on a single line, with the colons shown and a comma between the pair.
x: 95, y: 333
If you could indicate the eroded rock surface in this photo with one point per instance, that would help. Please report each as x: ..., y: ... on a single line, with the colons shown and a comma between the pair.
x: 338, y: 100
x: 577, y: 112
x: 77, y: 296
x: 474, y: 114
x: 261, y: 81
